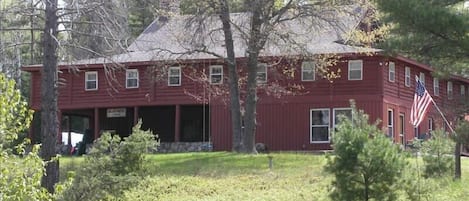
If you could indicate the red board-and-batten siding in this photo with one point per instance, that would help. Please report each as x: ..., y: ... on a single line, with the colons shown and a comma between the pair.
x: 399, y: 98
x: 283, y: 124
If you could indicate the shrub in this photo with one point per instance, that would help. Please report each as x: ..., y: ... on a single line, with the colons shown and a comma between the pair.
x: 366, y: 165
x: 437, y: 155
x: 112, y: 166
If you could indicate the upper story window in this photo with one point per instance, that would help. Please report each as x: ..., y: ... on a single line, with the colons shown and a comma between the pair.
x: 355, y: 70
x: 392, y: 71
x: 174, y: 76
x: 308, y: 71
x: 436, y: 86
x: 463, y: 90
x: 422, y: 78
x: 407, y: 76
x: 216, y: 74
x: 449, y: 90
x: 131, y: 78
x: 91, y: 80
x: 261, y: 73
x: 319, y: 128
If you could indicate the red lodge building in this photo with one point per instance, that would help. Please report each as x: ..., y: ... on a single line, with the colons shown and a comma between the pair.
x: 153, y: 82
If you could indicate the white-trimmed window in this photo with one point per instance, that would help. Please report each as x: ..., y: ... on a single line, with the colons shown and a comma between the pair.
x: 261, y: 73
x: 337, y: 112
x: 463, y: 90
x: 422, y: 78
x: 402, y: 128
x: 430, y: 124
x: 355, y: 70
x: 91, y: 80
x: 131, y: 78
x: 308, y: 71
x: 391, y: 123
x: 449, y: 90
x: 174, y: 76
x: 216, y: 74
x: 392, y: 72
x: 319, y: 125
x: 436, y: 86
x: 407, y: 76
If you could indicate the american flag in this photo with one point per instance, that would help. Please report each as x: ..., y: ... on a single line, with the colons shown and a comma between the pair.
x: 420, y: 105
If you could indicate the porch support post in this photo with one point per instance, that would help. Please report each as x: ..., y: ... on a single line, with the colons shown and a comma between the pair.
x: 135, y: 115
x: 69, y: 127
x: 177, y: 124
x: 96, y: 123
x: 59, y: 127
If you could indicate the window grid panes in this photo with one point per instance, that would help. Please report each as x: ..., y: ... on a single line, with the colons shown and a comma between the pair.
x: 131, y: 77
x: 308, y: 71
x: 436, y: 86
x: 463, y: 90
x: 261, y: 73
x: 449, y: 90
x: 338, y: 112
x: 422, y: 78
x: 392, y: 71
x: 216, y: 74
x: 407, y: 76
x: 319, y: 130
x: 391, y: 123
x: 174, y: 76
x: 355, y: 70
x: 91, y: 80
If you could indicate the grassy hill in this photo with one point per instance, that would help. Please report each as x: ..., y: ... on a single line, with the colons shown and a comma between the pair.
x: 229, y: 176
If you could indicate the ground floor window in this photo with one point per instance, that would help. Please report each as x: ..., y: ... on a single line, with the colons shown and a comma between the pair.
x: 319, y: 125
x: 341, y: 112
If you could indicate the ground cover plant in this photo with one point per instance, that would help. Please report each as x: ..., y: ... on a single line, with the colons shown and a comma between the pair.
x: 230, y: 176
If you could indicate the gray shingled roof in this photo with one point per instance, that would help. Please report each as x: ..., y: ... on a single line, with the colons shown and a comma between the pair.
x: 172, y: 38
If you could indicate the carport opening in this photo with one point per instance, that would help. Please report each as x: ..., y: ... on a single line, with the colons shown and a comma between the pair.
x: 195, y: 123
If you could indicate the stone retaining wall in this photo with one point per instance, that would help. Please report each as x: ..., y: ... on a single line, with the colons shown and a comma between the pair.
x: 173, y: 147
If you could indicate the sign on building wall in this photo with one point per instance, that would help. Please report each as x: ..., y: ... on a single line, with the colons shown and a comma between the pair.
x: 115, y: 112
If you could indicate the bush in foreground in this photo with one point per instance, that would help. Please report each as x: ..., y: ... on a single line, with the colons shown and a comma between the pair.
x: 112, y: 166
x: 437, y: 155
x: 366, y: 165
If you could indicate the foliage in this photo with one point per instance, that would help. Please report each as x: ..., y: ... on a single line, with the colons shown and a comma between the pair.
x: 230, y: 176
x: 437, y: 155
x: 112, y: 166
x: 435, y: 32
x: 15, y: 116
x: 366, y: 164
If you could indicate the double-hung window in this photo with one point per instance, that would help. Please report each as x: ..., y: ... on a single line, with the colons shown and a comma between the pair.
x: 422, y: 78
x: 340, y: 113
x: 261, y: 73
x: 407, y: 76
x: 391, y: 123
x: 216, y: 74
x: 355, y: 70
x: 436, y: 86
x: 131, y: 78
x: 174, y: 76
x: 449, y: 90
x: 392, y: 72
x: 308, y: 71
x: 319, y: 125
x: 463, y: 90
x: 91, y: 80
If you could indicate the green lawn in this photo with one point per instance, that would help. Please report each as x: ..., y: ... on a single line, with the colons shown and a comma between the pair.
x: 229, y: 176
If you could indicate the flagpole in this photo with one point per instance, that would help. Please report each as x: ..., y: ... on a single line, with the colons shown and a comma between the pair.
x: 442, y: 115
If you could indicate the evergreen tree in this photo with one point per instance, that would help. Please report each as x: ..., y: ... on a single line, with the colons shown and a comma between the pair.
x: 366, y: 164
x: 434, y: 32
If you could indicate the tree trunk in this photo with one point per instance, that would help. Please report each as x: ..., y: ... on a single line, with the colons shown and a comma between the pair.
x: 457, y: 160
x: 49, y: 121
x: 254, y: 46
x: 233, y: 77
